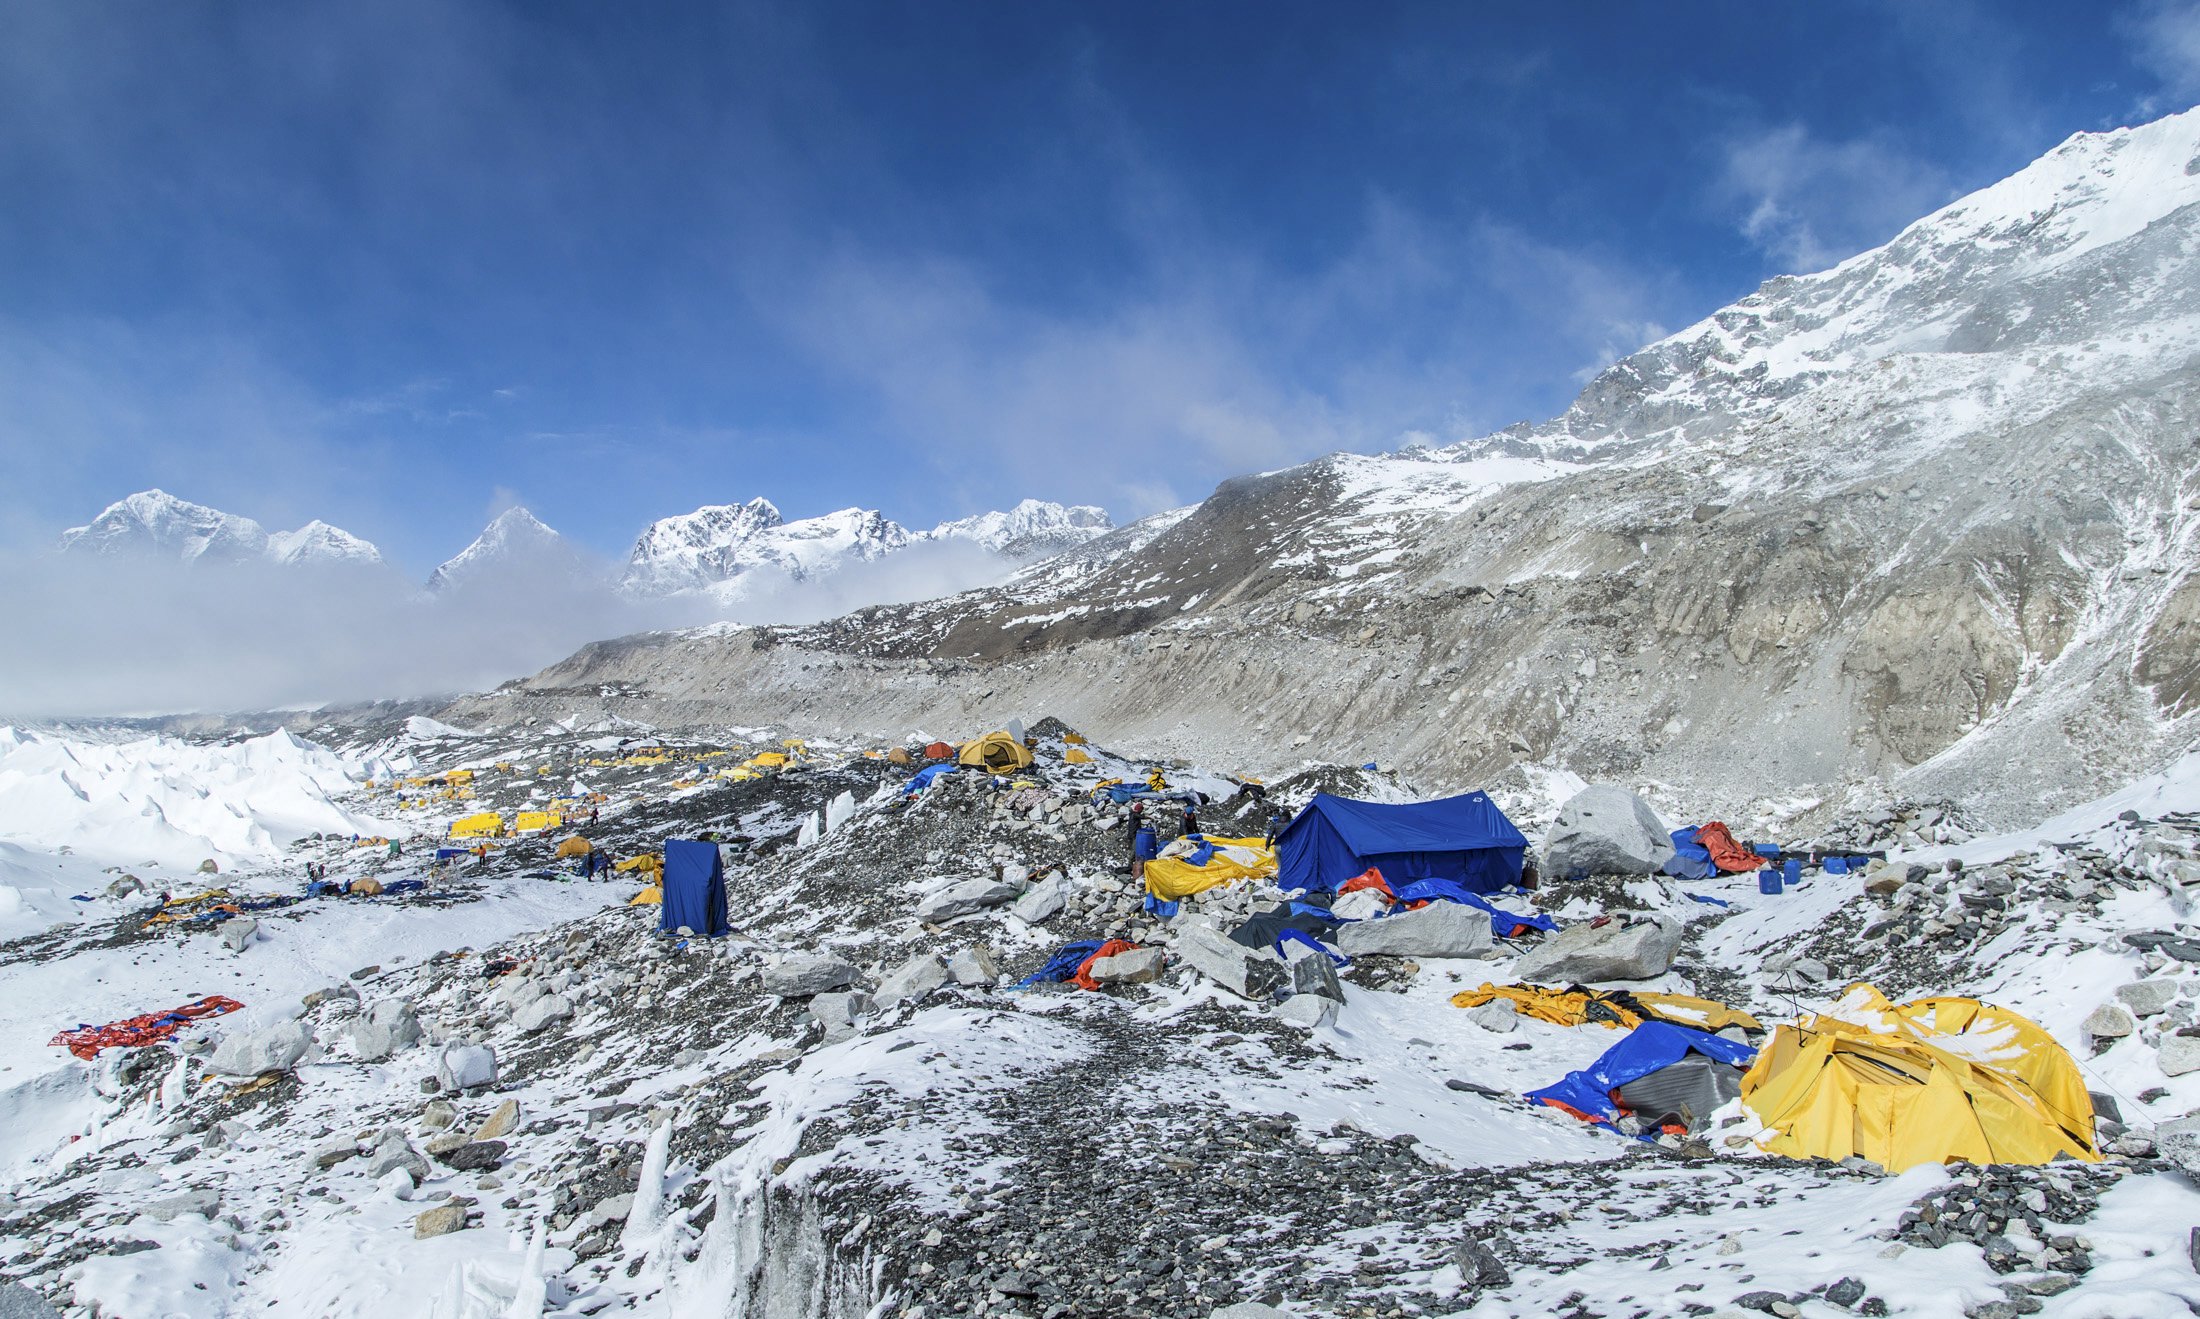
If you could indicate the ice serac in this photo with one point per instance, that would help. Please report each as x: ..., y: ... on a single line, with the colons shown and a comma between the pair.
x: 1922, y: 518
x: 513, y: 539
x: 156, y: 524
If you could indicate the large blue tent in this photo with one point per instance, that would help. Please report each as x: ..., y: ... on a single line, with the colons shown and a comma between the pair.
x: 1465, y: 839
x: 694, y: 889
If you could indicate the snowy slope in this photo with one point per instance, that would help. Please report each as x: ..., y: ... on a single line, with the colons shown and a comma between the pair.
x: 154, y: 522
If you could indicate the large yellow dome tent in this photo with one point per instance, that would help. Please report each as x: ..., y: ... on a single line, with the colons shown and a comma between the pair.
x: 1930, y: 1081
x: 995, y: 751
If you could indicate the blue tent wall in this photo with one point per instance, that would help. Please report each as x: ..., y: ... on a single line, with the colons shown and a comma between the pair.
x: 1465, y: 839
x: 694, y: 888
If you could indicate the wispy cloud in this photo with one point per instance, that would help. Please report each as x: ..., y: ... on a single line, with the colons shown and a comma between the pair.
x: 1807, y: 202
x: 2164, y: 39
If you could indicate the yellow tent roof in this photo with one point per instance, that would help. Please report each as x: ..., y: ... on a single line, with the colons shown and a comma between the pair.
x: 488, y: 824
x: 994, y: 751
x: 575, y: 846
x: 1076, y: 756
x: 1924, y: 1082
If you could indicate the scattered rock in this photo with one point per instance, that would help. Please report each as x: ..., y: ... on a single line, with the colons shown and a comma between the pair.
x: 466, y: 1067
x: 2146, y: 998
x: 385, y: 1027
x: 1308, y: 1010
x: 800, y: 975
x: 498, y: 1123
x: 913, y: 981
x: 962, y: 899
x: 1254, y: 973
x: 20, y: 1302
x: 974, y: 967
x: 1499, y: 1014
x: 436, y: 1222
x: 2179, y: 1054
x: 203, y: 1202
x: 2109, y: 1022
x: 542, y: 1013
x: 1139, y: 966
x: 1042, y: 902
x: 474, y: 1156
x: 237, y: 933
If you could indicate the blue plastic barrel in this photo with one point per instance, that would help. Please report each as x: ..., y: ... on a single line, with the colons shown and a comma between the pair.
x: 1791, y: 871
x: 1768, y: 880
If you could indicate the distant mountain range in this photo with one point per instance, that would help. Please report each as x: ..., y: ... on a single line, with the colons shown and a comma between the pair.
x: 720, y: 550
x: 155, y: 522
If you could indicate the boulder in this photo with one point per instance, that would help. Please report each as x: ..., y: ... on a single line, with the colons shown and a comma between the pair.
x: 1250, y: 1310
x: 436, y: 1222
x: 397, y: 1154
x: 1139, y: 966
x: 974, y: 967
x: 251, y: 1053
x: 1499, y: 1014
x: 1254, y: 973
x: 438, y: 1114
x: 964, y: 898
x: 913, y: 981
x: 238, y: 933
x: 466, y: 1066
x: 20, y: 1302
x: 1603, y: 830
x: 2179, y: 1054
x: 2148, y: 997
x: 498, y: 1123
x: 543, y: 1013
x: 1581, y: 954
x: 799, y: 975
x: 474, y: 1156
x: 1441, y: 929
x: 1312, y: 972
x: 385, y: 1027
x: 1042, y: 902
x: 1308, y: 1010
x: 2109, y: 1022
x: 839, y: 1012
x: 204, y: 1203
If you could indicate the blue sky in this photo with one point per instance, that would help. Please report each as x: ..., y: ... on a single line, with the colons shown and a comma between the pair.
x: 395, y: 265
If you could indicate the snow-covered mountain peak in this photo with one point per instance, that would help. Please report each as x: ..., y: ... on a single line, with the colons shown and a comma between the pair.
x: 158, y: 524
x: 511, y: 536
x: 1033, y: 528
x: 318, y: 542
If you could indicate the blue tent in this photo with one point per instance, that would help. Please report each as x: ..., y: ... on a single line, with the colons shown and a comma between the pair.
x: 694, y: 889
x: 1651, y: 1047
x: 1465, y: 839
x: 925, y: 776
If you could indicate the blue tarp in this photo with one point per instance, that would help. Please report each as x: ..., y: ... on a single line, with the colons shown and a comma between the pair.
x: 1690, y: 859
x: 1465, y: 839
x: 1120, y: 793
x: 694, y: 888
x: 1650, y: 1047
x: 1502, y: 922
x: 925, y: 776
x: 1062, y: 965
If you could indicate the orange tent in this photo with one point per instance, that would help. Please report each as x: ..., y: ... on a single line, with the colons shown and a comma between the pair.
x: 939, y: 751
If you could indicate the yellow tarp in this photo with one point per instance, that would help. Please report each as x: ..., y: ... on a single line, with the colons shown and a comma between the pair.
x: 575, y: 846
x: 1622, y: 1011
x: 1074, y: 739
x: 1926, y: 1082
x: 488, y: 824
x: 1169, y: 878
x: 532, y: 821
x: 649, y: 861
x: 766, y: 760
x: 995, y: 751
x: 1076, y: 756
x: 457, y: 777
x: 653, y: 896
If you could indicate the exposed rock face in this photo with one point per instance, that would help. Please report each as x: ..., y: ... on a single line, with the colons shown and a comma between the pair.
x: 1961, y: 538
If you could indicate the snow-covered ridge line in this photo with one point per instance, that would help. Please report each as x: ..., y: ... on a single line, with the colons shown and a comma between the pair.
x: 156, y: 523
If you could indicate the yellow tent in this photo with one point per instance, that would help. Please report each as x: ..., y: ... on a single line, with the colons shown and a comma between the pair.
x: 766, y: 760
x: 1076, y: 756
x: 649, y: 862
x: 1930, y: 1081
x: 653, y: 896
x: 1074, y: 739
x: 575, y: 846
x: 1170, y: 878
x: 995, y: 751
x: 531, y: 821
x: 1620, y: 1011
x: 458, y: 777
x: 488, y: 824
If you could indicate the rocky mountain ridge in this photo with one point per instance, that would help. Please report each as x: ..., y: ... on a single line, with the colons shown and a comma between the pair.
x: 1924, y: 519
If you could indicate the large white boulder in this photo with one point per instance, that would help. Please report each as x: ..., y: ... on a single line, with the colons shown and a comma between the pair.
x: 1254, y: 973
x: 466, y: 1066
x: 964, y: 898
x: 251, y: 1053
x: 913, y: 980
x: 1586, y: 954
x: 799, y: 975
x: 1441, y: 929
x: 1603, y: 830
x: 385, y: 1027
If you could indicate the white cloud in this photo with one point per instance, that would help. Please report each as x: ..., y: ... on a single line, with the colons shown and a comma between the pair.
x: 1808, y: 203
x: 2164, y: 36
